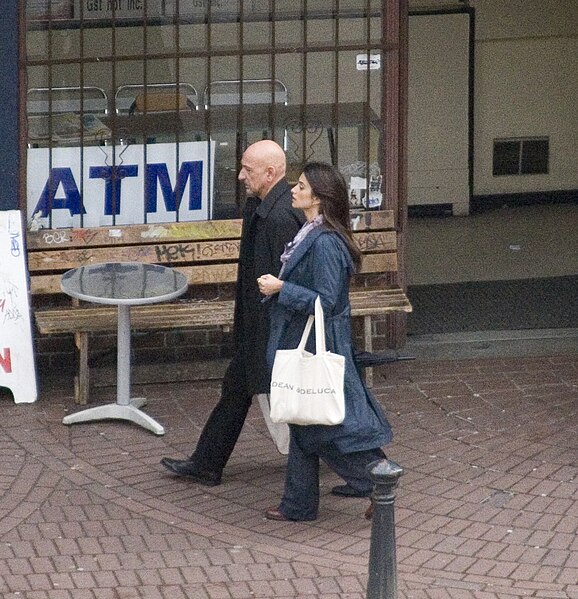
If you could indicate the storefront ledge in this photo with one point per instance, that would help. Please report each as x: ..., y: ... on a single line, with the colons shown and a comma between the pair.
x: 481, y: 344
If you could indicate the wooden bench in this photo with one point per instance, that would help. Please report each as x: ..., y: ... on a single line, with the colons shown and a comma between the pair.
x: 206, y: 252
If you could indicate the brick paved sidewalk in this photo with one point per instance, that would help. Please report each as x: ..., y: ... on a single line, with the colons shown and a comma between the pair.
x: 487, y: 507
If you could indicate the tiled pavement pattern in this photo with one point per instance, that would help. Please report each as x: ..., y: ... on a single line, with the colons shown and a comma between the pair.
x: 487, y: 507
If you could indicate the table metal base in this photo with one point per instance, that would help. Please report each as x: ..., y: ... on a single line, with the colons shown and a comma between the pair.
x: 124, y: 284
x: 115, y: 411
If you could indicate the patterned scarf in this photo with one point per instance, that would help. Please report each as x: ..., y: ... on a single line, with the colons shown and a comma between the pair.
x: 301, y: 234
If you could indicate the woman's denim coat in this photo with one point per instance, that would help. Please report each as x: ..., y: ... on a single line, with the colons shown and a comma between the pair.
x: 321, y: 265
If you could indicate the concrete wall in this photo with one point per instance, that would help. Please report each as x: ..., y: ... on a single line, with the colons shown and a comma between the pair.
x: 526, y: 84
x: 438, y: 110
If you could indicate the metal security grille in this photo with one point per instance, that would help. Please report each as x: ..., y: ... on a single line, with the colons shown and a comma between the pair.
x: 138, y: 111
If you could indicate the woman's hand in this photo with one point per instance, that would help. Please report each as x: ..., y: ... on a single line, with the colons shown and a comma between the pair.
x: 269, y: 285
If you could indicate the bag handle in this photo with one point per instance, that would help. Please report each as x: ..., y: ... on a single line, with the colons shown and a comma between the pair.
x: 319, y: 329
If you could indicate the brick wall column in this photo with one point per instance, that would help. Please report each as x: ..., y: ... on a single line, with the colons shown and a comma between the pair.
x: 10, y: 173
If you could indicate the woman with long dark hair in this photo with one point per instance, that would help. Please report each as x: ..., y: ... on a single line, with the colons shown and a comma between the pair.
x: 320, y: 262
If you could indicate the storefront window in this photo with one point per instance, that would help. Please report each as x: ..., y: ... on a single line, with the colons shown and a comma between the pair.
x: 138, y: 111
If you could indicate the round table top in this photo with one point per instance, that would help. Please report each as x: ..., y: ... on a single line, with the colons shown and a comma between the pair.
x: 128, y: 283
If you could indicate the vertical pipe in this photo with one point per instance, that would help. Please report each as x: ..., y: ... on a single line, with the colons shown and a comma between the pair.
x: 333, y: 131
x: 273, y: 69
x: 207, y: 104
x: 305, y: 54
x: 366, y: 158
x: 242, y: 134
x: 175, y: 49
x: 50, y: 57
x: 147, y: 126
x: 395, y: 16
x: 113, y: 49
x: 82, y: 99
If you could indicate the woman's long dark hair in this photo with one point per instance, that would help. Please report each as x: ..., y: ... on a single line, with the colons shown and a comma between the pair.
x: 328, y: 185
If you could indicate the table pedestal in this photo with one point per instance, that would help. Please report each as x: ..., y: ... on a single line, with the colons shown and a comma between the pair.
x: 125, y: 408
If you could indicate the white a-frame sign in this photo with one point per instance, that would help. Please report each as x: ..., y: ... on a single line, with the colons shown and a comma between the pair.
x: 17, y: 371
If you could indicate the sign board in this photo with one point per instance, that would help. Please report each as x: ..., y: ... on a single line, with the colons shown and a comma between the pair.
x: 17, y: 370
x: 100, y: 186
x: 121, y: 9
x: 136, y: 11
x: 258, y: 9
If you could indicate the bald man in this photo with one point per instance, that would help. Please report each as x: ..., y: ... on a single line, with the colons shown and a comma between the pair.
x: 269, y: 222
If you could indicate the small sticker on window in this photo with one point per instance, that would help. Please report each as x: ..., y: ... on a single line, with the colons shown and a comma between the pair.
x: 368, y: 61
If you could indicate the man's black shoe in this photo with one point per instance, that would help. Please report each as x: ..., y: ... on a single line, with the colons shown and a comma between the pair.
x: 187, y: 468
x: 349, y: 491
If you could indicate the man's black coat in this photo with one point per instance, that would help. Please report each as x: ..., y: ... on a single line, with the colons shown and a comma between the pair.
x: 267, y: 226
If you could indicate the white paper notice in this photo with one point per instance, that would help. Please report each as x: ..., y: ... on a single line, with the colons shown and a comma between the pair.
x: 17, y: 369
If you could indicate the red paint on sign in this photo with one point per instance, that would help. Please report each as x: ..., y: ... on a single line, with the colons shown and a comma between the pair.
x: 5, y: 361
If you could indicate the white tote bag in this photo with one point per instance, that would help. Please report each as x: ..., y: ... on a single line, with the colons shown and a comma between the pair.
x: 308, y: 388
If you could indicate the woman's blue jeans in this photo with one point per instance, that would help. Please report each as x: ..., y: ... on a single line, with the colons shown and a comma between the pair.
x: 301, y: 495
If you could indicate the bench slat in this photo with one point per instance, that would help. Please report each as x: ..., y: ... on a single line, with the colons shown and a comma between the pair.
x: 53, y: 239
x: 211, y: 274
x: 378, y: 263
x: 168, y: 254
x: 193, y: 314
x: 196, y: 275
x: 50, y: 239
